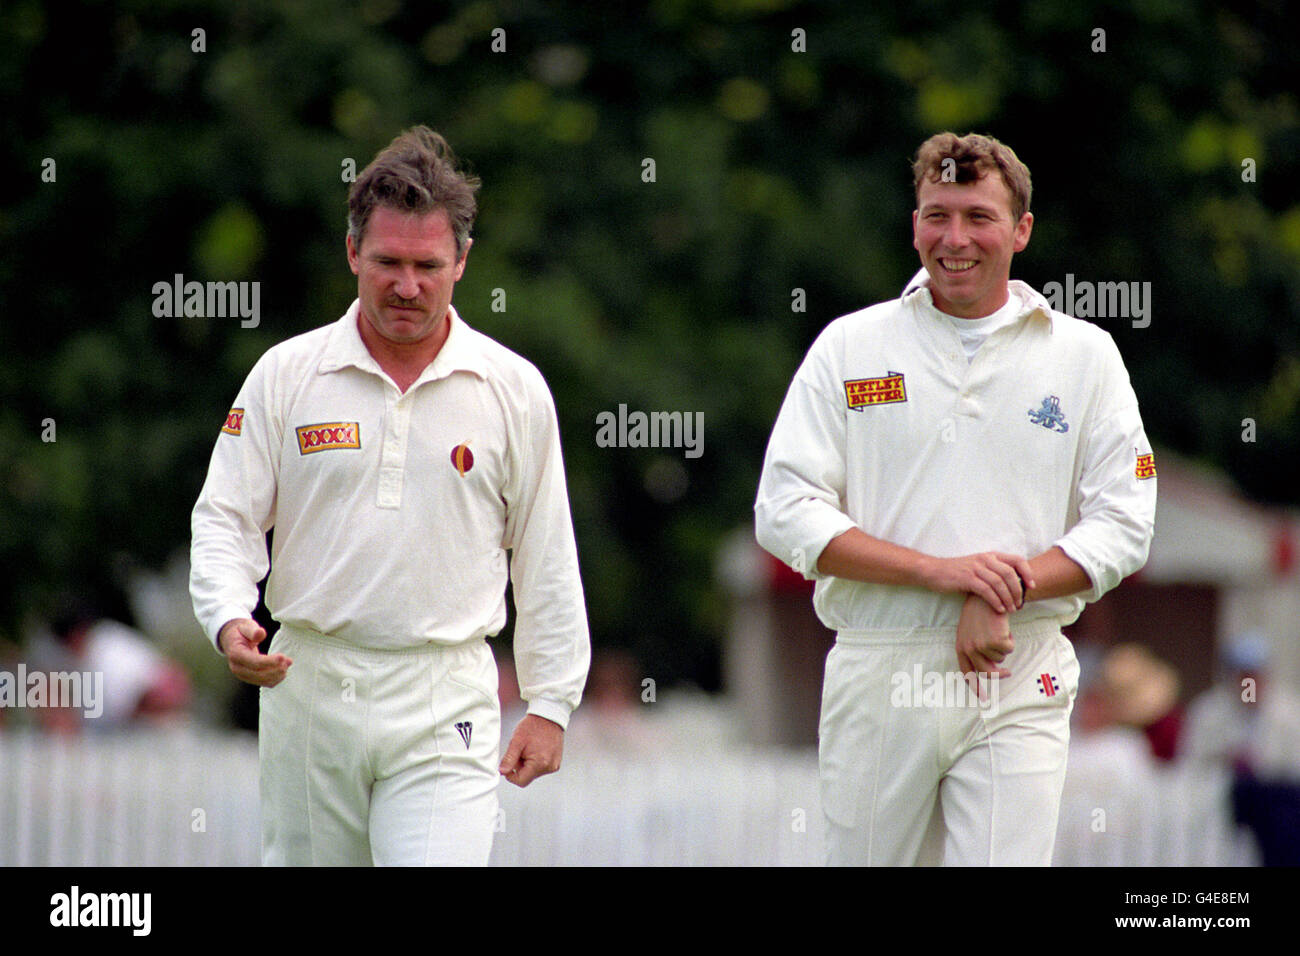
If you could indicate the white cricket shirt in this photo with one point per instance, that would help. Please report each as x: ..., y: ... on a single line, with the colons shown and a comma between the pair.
x: 973, y: 332
x: 1035, y: 442
x: 393, y: 512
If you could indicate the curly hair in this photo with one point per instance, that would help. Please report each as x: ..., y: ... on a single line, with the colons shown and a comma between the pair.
x: 973, y: 156
x: 417, y: 173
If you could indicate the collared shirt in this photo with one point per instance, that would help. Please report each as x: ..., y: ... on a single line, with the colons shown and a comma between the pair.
x: 393, y: 511
x: 887, y: 427
x: 973, y: 332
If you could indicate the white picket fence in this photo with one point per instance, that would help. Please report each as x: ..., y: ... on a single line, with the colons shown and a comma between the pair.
x: 1119, y: 809
x: 734, y: 808
x: 175, y: 798
x: 188, y: 798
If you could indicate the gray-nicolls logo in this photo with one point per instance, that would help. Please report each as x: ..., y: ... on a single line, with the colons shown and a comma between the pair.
x: 466, y: 729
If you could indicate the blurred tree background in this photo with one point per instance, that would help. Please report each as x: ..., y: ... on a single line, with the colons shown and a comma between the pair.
x: 781, y: 134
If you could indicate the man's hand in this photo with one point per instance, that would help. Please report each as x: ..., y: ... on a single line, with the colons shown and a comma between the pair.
x: 992, y: 575
x: 983, y: 639
x: 534, y: 750
x: 238, y: 640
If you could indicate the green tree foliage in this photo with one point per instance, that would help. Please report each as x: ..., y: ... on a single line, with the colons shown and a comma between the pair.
x: 781, y: 135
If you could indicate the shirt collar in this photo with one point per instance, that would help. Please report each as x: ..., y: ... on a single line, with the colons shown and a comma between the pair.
x: 458, y: 353
x: 1033, y: 300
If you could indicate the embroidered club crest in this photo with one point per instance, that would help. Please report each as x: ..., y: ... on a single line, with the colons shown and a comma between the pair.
x: 1049, y: 415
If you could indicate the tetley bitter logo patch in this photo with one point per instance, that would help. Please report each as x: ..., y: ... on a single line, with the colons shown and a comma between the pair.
x: 861, y: 392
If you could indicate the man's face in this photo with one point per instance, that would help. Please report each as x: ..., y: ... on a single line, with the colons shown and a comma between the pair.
x: 406, y: 268
x: 966, y: 236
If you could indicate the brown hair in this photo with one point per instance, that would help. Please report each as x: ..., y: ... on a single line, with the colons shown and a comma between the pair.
x: 973, y: 156
x: 417, y: 173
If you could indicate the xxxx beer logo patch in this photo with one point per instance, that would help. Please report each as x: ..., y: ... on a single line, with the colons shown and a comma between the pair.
x: 462, y: 458
x: 328, y: 435
x: 234, y: 421
x: 1146, y: 466
x: 861, y: 392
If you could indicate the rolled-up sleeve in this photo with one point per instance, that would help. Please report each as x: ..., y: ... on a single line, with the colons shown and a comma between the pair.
x: 236, y: 508
x: 551, y: 639
x: 1116, y: 491
x: 801, y: 493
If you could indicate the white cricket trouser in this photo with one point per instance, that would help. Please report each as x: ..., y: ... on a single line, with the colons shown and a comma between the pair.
x: 918, y: 770
x: 384, y: 757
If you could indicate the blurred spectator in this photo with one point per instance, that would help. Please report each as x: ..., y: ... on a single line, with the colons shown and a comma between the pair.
x: 138, y: 682
x: 9, y: 658
x: 1251, y: 723
x: 1104, y: 749
x: 1246, y: 720
x: 1141, y: 691
x: 612, y: 716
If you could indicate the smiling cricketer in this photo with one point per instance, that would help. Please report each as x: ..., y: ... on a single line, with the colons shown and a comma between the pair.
x: 959, y: 470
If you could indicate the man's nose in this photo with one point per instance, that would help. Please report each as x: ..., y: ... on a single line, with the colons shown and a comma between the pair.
x: 956, y: 234
x: 407, y: 286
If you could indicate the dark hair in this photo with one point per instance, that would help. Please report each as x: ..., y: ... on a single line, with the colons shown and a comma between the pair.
x: 71, y: 613
x: 973, y: 156
x: 417, y: 173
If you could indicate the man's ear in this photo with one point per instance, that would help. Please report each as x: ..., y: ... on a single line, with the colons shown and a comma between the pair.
x: 1023, y: 228
x: 354, y: 256
x: 916, y: 244
x: 464, y: 256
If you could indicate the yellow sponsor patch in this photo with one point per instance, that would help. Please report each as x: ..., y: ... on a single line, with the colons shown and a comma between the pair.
x: 1146, y: 466
x: 328, y: 435
x: 875, y: 391
x: 234, y: 421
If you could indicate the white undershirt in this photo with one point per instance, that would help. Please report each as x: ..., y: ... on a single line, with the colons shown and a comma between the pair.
x: 973, y: 332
